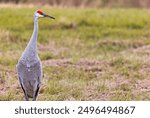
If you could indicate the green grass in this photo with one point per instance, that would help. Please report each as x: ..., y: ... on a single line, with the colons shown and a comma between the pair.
x: 87, y: 54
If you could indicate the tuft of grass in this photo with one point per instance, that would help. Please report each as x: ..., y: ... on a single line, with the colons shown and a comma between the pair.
x: 46, y: 56
x: 122, y: 96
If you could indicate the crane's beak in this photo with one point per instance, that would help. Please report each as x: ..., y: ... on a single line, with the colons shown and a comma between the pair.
x: 45, y: 15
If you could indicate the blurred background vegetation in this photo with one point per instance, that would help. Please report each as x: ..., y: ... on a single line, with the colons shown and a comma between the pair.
x: 90, y: 3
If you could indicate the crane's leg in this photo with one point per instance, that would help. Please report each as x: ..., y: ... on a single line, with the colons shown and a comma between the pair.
x: 36, y: 93
x: 25, y: 93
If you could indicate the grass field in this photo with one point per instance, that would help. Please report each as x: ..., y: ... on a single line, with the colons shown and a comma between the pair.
x: 87, y: 54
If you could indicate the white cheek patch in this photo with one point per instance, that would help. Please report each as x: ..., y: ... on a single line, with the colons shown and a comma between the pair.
x: 41, y: 15
x: 38, y: 15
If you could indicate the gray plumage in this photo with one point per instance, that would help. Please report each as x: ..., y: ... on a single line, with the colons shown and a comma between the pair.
x: 29, y: 66
x: 30, y: 79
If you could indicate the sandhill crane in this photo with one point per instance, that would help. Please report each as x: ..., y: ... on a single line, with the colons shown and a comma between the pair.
x: 29, y: 66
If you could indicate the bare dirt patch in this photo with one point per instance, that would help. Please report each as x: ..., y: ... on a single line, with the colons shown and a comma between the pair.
x: 143, y: 85
x: 144, y: 70
x: 83, y: 64
x: 91, y: 65
x: 57, y: 62
x: 119, y: 80
x: 144, y: 49
x: 52, y: 47
x: 91, y: 93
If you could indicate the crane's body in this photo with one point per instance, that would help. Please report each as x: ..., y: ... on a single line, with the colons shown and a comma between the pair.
x: 29, y: 66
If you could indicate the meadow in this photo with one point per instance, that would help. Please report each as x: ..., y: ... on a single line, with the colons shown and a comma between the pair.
x: 86, y: 53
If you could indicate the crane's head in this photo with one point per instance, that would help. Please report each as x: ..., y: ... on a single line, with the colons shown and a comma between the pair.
x: 39, y: 14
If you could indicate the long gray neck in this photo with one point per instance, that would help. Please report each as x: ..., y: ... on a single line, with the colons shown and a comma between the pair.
x: 33, y: 41
x: 30, y: 55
